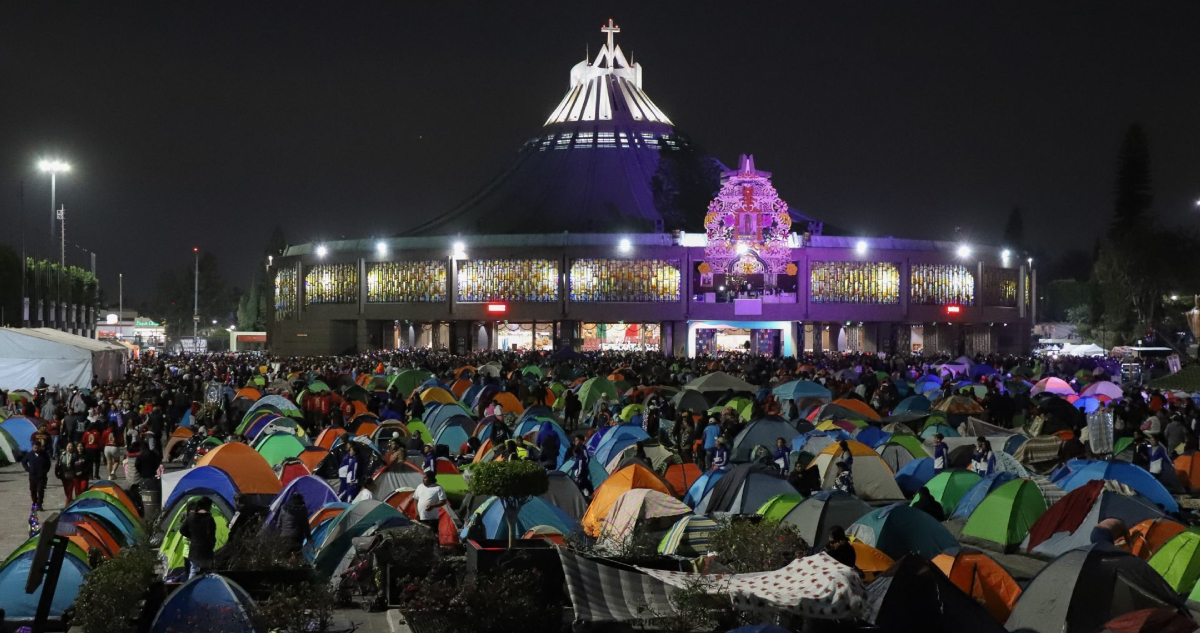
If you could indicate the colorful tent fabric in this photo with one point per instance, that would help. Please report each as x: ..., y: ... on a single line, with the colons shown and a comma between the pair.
x: 873, y: 480
x: 1068, y: 524
x: 914, y: 475
x: 20, y: 606
x: 778, y: 506
x: 870, y: 561
x: 688, y: 538
x: 249, y: 471
x: 314, y: 490
x: 914, y: 595
x: 350, y: 523
x: 744, y: 490
x: 1136, y: 477
x: 277, y: 447
x: 681, y: 477
x: 20, y: 429
x: 488, y: 521
x: 899, y: 529
x: 948, y: 488
x: 1084, y: 588
x: 702, y: 486
x: 1178, y: 560
x: 215, y: 600
x: 977, y: 493
x: 982, y: 578
x: 174, y: 548
x: 1005, y: 516
x: 820, y: 513
x: 639, y: 509
x: 395, y: 476
x: 1150, y: 535
x: 1160, y: 620
x: 761, y: 432
x: 563, y: 494
x: 628, y: 478
x: 816, y: 587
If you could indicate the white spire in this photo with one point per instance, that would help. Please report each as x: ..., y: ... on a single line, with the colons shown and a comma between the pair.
x: 595, y: 86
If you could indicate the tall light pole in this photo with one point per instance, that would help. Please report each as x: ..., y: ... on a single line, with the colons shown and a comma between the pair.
x: 53, y: 167
x: 121, y: 304
x: 196, y: 302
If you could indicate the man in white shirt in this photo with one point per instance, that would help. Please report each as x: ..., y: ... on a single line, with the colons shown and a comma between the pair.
x: 429, y: 496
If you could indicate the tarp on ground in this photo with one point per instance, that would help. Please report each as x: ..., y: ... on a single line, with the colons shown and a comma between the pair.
x: 29, y: 354
x: 816, y: 587
x: 602, y: 591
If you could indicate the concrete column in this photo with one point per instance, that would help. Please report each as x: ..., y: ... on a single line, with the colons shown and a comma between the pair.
x: 362, y: 339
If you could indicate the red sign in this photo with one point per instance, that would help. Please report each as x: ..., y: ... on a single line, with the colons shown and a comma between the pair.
x: 953, y: 309
x: 252, y: 338
x: 497, y: 308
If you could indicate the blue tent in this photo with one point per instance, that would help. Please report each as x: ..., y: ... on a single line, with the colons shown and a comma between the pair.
x: 873, y: 436
x: 452, y: 436
x: 814, y: 442
x: 915, y: 404
x: 1013, y: 443
x: 470, y: 394
x: 1135, y: 477
x: 215, y: 602
x: 208, y: 478
x: 975, y: 495
x: 621, y: 437
x: 914, y: 475
x: 979, y: 371
x: 597, y: 473
x: 437, y: 414
x: 21, y: 429
x: 19, y: 605
x: 537, y: 411
x: 107, y: 512
x: 798, y: 389
x: 899, y: 529
x: 490, y: 517
x: 926, y: 384
x: 702, y: 486
x: 313, y: 489
x: 187, y: 419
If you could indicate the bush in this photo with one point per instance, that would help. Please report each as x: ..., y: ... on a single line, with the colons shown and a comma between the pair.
x: 506, y: 601
x: 258, y: 552
x: 110, y: 598
x: 753, y: 546
x: 509, y: 480
x: 303, y: 608
x: 697, y: 606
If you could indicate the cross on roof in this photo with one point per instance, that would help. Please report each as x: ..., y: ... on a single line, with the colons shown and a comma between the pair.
x: 610, y: 29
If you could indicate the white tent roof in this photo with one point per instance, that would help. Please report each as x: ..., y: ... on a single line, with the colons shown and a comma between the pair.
x: 29, y: 354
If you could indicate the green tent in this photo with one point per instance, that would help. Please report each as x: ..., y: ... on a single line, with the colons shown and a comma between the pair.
x: 31, y: 544
x: 948, y: 487
x: 911, y: 443
x: 743, y: 407
x: 1121, y: 444
x: 533, y: 369
x: 113, y: 501
x: 277, y: 447
x: 418, y: 427
x: 1004, y: 516
x: 778, y: 506
x: 317, y: 386
x: 405, y: 382
x: 174, y: 548
x: 1177, y: 560
x: 455, y: 486
x: 631, y: 410
x: 10, y: 452
x: 557, y: 388
x: 590, y: 390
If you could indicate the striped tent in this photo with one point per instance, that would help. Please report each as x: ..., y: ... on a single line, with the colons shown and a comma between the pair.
x: 688, y: 537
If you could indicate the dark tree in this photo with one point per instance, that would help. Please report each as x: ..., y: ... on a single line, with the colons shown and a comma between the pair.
x: 1133, y: 196
x: 276, y: 243
x: 1014, y: 231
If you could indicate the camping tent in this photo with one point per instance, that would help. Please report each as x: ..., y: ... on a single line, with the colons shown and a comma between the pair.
x: 899, y: 529
x: 982, y: 578
x: 948, y: 487
x: 915, y: 596
x: 744, y: 490
x: 21, y: 606
x: 873, y: 480
x: 215, y: 600
x: 29, y: 354
x: 1068, y: 523
x: 1081, y: 590
x: 818, y: 514
x: 628, y: 478
x: 1004, y: 516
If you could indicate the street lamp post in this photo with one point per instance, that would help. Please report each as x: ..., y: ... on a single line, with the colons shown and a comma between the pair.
x: 53, y: 167
x: 196, y: 301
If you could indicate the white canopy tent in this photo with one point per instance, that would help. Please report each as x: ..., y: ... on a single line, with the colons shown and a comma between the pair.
x: 29, y: 354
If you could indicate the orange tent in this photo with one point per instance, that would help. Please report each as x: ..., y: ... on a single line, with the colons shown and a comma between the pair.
x: 245, y: 466
x: 397, y: 499
x: 323, y: 515
x: 1187, y: 468
x: 681, y: 477
x: 983, y: 579
x: 460, y: 387
x: 326, y: 438
x: 358, y: 407
x: 1065, y: 435
x: 628, y: 478
x: 447, y: 531
x: 366, y: 428
x: 183, y: 432
x: 437, y: 394
x: 1147, y: 537
x: 458, y: 373
x: 857, y: 406
x: 98, y: 533
x: 484, y: 449
x: 508, y: 402
x: 870, y: 561
x: 545, y: 532
x: 86, y: 541
x: 247, y: 392
x: 363, y: 380
x: 312, y: 457
x: 113, y: 489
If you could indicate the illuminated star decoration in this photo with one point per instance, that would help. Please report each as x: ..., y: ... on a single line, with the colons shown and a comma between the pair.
x: 35, y: 527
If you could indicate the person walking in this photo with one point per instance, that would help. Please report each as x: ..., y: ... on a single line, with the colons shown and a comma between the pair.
x: 711, y: 432
x: 91, y: 450
x: 68, y: 468
x: 111, y: 440
x: 37, y: 464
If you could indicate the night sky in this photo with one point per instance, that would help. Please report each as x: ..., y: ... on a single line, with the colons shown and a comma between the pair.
x: 206, y: 123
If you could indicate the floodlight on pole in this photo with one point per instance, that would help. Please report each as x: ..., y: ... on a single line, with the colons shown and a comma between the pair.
x: 861, y: 247
x: 381, y: 248
x: 964, y: 251
x: 322, y: 251
x: 196, y: 302
x: 625, y: 245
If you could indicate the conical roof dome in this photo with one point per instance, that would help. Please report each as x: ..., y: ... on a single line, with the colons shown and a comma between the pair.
x: 608, y: 159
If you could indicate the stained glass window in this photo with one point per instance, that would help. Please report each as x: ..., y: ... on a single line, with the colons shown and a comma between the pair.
x: 855, y: 282
x: 1000, y: 286
x: 629, y: 280
x: 285, y: 293
x: 406, y: 282
x: 331, y: 283
x: 942, y: 284
x: 533, y: 280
